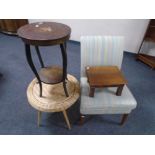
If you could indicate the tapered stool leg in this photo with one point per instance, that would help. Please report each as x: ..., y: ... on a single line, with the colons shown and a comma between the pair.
x: 66, y: 119
x: 39, y: 118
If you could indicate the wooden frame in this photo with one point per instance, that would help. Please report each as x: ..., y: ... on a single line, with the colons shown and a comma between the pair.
x: 149, y: 36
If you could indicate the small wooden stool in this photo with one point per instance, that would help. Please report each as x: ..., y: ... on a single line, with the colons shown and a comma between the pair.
x: 53, y: 98
x: 105, y: 76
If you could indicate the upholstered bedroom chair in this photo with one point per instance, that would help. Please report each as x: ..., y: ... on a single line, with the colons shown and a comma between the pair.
x: 105, y: 51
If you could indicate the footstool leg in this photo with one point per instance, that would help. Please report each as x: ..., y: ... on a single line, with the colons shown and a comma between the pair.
x: 124, y: 118
x: 66, y: 119
x: 39, y: 118
x: 119, y: 90
x: 91, y: 93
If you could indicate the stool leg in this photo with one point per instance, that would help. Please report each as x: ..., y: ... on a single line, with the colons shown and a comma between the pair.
x: 66, y: 119
x: 39, y: 118
x: 119, y: 90
x: 91, y: 92
x: 124, y: 118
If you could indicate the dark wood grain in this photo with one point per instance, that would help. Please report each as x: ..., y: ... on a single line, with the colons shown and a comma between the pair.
x: 44, y: 33
x: 147, y: 59
x: 105, y: 76
x: 119, y: 90
x: 10, y: 26
x: 150, y: 37
x: 101, y: 76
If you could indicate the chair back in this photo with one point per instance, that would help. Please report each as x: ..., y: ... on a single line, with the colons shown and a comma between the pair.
x: 101, y: 50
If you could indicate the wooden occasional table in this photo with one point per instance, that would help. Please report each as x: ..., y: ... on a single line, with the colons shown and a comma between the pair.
x: 52, y: 90
x: 105, y: 76
x: 54, y: 99
x: 46, y: 34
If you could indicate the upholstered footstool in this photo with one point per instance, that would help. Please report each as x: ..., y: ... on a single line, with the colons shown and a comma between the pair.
x: 105, y: 101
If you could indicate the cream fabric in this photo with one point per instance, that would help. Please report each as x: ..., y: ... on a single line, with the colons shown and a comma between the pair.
x: 105, y: 101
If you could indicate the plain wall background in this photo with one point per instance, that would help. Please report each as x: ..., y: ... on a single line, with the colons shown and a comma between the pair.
x: 132, y: 29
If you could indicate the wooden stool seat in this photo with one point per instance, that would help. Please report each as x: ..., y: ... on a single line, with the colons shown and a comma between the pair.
x: 53, y: 98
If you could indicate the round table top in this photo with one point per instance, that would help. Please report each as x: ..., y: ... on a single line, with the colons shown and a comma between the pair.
x: 44, y: 33
x: 54, y: 98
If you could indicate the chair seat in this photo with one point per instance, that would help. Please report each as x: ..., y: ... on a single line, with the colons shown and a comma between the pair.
x: 105, y: 101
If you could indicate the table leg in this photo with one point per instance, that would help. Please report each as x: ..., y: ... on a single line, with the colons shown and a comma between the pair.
x: 66, y: 119
x: 65, y: 46
x: 39, y: 56
x: 119, y: 90
x: 64, y: 57
x: 91, y: 92
x: 39, y: 118
x: 30, y: 62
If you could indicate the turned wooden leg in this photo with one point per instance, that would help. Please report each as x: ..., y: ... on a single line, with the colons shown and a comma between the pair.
x: 66, y: 119
x: 39, y: 118
x: 124, y: 118
x: 119, y: 90
x: 91, y: 92
x: 82, y: 117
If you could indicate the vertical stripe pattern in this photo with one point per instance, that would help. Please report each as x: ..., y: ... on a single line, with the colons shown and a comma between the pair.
x: 101, y: 50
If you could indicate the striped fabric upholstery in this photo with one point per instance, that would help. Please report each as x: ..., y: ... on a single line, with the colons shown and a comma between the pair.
x: 101, y: 50
x: 105, y: 100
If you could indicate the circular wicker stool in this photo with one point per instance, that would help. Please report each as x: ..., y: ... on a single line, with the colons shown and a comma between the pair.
x: 53, y: 98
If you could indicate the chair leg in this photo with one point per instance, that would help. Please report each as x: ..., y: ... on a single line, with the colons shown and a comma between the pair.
x: 82, y: 118
x: 124, y: 118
